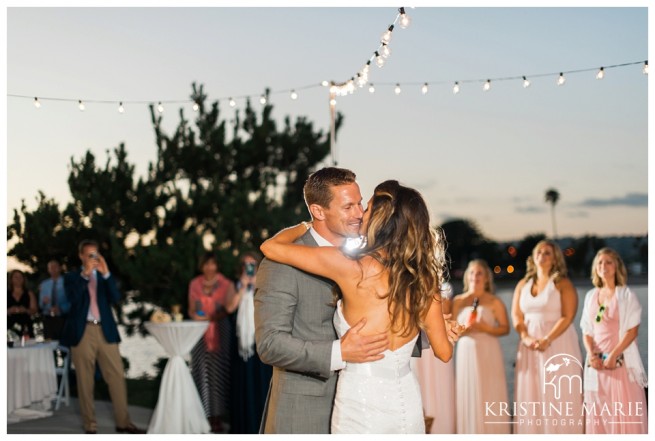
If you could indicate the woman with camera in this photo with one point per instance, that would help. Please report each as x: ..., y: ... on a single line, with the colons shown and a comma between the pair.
x: 251, y: 376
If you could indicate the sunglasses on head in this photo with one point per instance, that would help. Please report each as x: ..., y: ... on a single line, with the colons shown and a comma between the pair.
x: 601, y: 311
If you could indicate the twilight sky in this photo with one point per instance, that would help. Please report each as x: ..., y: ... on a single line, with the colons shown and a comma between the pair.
x: 487, y: 156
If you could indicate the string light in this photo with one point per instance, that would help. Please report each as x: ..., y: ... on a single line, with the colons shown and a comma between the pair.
x: 385, y: 51
x: 404, y: 18
x: 487, y: 85
x: 601, y: 74
x: 121, y: 109
x: 262, y: 99
x: 325, y: 83
x: 379, y: 59
x: 561, y: 80
x: 386, y: 37
x: 397, y: 89
x: 361, y: 80
x: 196, y: 107
x: 294, y: 95
x: 424, y: 88
x: 333, y: 102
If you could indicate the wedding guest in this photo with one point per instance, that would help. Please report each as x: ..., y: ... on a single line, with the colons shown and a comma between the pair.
x: 543, y: 307
x: 251, y: 377
x: 212, y: 297
x: 479, y: 367
x: 92, y: 334
x: 614, y: 372
x: 437, y: 381
x: 21, y: 304
x: 53, y: 303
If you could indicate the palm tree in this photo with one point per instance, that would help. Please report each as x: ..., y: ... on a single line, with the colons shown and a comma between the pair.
x: 552, y: 196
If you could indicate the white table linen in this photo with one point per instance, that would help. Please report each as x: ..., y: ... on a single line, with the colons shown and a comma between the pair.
x: 179, y: 408
x: 31, y: 378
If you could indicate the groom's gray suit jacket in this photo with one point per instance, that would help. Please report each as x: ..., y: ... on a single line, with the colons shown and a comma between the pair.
x: 294, y: 333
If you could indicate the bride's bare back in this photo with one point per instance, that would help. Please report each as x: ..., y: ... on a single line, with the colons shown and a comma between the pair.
x: 366, y: 296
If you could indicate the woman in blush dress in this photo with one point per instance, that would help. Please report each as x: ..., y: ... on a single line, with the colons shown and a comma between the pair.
x: 481, y: 391
x: 437, y: 381
x: 614, y: 373
x: 548, y: 385
x: 393, y: 281
x: 212, y: 297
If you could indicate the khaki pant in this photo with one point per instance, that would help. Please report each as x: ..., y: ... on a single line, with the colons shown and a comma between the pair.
x: 93, y: 347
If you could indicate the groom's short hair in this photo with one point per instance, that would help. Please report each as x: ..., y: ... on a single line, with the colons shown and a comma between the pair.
x: 317, y: 188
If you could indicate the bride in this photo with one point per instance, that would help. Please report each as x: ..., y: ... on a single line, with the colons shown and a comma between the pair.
x: 394, y: 282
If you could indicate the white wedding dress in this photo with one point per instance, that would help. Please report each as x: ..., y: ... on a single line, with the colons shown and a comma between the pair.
x: 378, y: 397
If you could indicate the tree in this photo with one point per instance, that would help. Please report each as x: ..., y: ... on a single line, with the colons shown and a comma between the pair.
x: 552, y: 196
x: 466, y: 242
x: 212, y: 186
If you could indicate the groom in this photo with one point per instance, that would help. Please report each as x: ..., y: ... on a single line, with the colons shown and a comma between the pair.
x: 293, y: 316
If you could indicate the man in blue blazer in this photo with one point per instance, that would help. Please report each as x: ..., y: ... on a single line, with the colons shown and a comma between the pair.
x: 92, y: 335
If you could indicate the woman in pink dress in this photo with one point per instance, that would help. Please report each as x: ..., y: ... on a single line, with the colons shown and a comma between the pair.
x: 437, y: 381
x: 615, y: 378
x: 548, y: 385
x: 481, y: 389
x: 212, y: 297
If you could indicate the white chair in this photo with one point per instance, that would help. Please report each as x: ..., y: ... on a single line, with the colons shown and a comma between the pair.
x: 63, y: 371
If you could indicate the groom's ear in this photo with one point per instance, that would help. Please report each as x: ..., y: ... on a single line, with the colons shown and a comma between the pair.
x: 318, y: 212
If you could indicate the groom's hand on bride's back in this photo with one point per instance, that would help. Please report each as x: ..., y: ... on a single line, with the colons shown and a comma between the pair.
x: 358, y: 348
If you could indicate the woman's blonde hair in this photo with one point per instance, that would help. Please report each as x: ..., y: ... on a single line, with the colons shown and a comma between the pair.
x: 400, y: 237
x: 621, y: 275
x: 489, y: 284
x: 558, y: 270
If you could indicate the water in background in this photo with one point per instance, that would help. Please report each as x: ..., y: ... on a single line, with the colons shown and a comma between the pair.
x: 143, y: 353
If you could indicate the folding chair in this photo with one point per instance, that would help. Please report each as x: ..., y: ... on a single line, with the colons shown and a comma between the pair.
x: 63, y: 371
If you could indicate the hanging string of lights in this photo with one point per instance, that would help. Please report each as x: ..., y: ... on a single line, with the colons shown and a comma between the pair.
x: 524, y: 80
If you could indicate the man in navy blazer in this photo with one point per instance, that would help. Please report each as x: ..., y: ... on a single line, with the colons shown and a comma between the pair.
x: 92, y: 335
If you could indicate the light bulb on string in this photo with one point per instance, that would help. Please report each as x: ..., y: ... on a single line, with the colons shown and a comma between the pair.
x: 262, y: 100
x: 195, y: 106
x: 371, y: 88
x: 325, y: 83
x: 294, y: 95
x: 386, y: 37
x: 526, y: 82
x: 121, y: 109
x: 404, y: 19
x: 456, y: 88
x: 424, y: 88
x: 487, y: 85
x: 385, y: 51
x: 361, y: 80
x: 601, y: 74
x: 367, y: 67
x: 350, y: 86
x: 333, y: 102
x: 379, y: 59
x: 37, y: 103
x: 397, y: 89
x: 81, y: 105
x: 232, y: 102
x: 561, y: 80
x: 645, y: 69
x: 160, y: 107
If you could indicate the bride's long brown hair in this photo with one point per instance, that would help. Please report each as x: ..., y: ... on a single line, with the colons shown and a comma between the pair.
x: 399, y: 236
